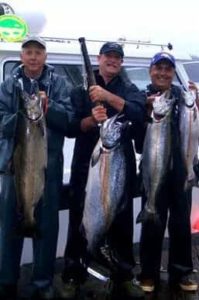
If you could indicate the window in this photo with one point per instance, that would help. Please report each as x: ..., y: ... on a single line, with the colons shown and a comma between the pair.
x: 139, y: 76
x: 9, y: 67
x: 192, y: 69
x: 71, y: 73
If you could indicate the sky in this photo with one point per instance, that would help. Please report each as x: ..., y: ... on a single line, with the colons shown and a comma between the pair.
x: 174, y: 21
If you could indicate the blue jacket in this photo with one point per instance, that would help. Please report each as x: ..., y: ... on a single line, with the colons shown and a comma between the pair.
x: 57, y: 117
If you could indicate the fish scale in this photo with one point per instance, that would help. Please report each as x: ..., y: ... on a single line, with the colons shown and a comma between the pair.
x: 30, y: 161
x: 106, y: 183
x: 189, y: 134
x: 156, y: 155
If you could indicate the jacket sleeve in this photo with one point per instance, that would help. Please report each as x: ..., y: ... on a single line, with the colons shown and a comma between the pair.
x: 135, y: 111
x: 8, y: 119
x: 135, y: 104
x: 81, y: 107
x: 59, y: 111
x: 8, y: 108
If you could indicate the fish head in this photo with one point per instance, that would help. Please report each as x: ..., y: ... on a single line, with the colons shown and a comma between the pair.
x: 112, y: 130
x: 33, y: 108
x: 163, y: 104
x: 189, y: 98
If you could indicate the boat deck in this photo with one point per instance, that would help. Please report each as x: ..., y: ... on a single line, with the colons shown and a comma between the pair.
x: 99, y: 289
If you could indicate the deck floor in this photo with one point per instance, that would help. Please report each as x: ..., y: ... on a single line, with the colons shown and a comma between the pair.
x: 99, y: 290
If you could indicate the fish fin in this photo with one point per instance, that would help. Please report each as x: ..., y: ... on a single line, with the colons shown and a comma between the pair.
x: 95, y: 157
x: 25, y: 229
x: 147, y: 216
x: 140, y: 217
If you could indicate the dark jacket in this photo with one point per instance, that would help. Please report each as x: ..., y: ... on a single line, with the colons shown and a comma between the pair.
x: 134, y: 110
x: 57, y: 117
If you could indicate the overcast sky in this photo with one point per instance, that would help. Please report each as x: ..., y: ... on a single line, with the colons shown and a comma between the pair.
x: 174, y: 21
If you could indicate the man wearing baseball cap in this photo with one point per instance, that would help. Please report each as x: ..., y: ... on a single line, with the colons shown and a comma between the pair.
x: 173, y: 202
x: 111, y: 94
x: 37, y: 79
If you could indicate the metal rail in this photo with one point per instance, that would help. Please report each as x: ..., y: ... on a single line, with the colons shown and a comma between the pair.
x: 122, y: 41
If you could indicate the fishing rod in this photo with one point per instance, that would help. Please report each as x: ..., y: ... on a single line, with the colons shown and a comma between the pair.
x: 91, y: 80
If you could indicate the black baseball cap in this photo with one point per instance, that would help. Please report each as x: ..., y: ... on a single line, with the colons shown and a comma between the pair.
x: 112, y: 47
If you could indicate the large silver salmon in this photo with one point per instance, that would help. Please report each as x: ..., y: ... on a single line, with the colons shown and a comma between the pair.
x: 189, y: 135
x: 30, y: 160
x: 106, y: 182
x: 156, y: 154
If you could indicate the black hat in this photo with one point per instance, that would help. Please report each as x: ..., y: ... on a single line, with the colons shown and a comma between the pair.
x: 111, y: 46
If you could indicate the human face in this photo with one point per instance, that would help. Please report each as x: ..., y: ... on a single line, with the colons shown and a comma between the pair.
x: 109, y: 65
x: 33, y: 57
x: 162, y: 75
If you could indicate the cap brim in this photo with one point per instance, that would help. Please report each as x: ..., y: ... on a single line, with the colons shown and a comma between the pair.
x: 118, y: 52
x: 163, y: 59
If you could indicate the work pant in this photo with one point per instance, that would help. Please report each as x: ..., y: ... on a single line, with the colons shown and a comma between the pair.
x: 44, y: 248
x: 173, y: 206
x: 119, y: 240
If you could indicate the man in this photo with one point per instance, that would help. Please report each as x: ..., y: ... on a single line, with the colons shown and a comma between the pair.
x: 115, y: 95
x: 32, y: 74
x: 173, y: 203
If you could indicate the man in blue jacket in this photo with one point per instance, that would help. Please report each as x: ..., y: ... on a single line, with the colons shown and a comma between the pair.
x: 116, y: 94
x: 55, y: 95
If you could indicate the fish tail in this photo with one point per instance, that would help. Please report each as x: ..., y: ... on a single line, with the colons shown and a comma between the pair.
x: 141, y: 216
x: 26, y: 229
x: 147, y: 216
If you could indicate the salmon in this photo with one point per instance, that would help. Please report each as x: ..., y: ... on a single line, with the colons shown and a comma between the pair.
x: 29, y: 160
x: 106, y: 182
x: 156, y: 155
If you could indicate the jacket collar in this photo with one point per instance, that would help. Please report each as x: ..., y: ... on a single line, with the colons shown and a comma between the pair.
x: 19, y: 71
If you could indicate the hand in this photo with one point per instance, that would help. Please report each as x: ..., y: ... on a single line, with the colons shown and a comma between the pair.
x: 99, y: 114
x: 193, y: 86
x: 44, y: 99
x: 97, y: 93
x: 149, y: 102
x: 150, y: 99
